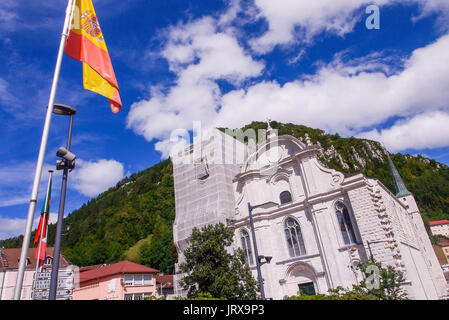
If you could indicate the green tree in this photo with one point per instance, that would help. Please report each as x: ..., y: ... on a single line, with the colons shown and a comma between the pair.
x: 160, y: 253
x: 385, y: 283
x: 379, y: 283
x: 438, y: 238
x: 336, y: 294
x: 212, y: 270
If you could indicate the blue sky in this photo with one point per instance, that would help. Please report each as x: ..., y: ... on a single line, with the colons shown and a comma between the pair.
x: 224, y: 63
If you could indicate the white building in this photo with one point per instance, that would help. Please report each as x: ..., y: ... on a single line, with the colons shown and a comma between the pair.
x: 321, y: 223
x: 440, y: 227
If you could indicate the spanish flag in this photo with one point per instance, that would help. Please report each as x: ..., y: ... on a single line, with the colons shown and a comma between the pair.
x: 86, y: 43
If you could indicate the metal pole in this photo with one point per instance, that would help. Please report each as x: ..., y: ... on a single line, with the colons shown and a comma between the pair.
x: 369, y: 248
x: 40, y: 161
x: 57, y: 248
x: 259, y: 273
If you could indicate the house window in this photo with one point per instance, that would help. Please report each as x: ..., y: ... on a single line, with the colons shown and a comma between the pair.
x: 345, y: 224
x: 138, y: 280
x: 147, y: 280
x: 246, y: 246
x: 285, y: 197
x: 138, y: 296
x: 293, y: 234
x: 48, y: 260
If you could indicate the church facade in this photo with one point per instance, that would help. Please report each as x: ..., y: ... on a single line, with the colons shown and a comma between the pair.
x: 314, y: 223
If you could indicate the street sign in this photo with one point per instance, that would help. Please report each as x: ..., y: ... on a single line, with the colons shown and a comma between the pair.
x: 64, y: 283
x: 59, y: 293
x: 63, y: 292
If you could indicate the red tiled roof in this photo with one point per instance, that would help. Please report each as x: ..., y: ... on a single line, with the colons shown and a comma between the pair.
x: 10, y: 258
x: 443, y: 243
x: 87, y: 268
x: 116, y: 268
x: 435, y: 223
x: 165, y: 281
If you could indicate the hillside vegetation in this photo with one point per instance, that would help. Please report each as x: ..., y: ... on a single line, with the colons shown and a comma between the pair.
x: 134, y: 219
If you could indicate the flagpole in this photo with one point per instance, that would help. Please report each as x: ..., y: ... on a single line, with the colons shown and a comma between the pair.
x: 43, y: 146
x: 42, y: 233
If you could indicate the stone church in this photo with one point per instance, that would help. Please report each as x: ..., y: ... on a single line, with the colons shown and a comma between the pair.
x: 316, y: 224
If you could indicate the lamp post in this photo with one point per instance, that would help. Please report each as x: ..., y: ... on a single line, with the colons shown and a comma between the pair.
x: 265, y: 205
x: 67, y: 162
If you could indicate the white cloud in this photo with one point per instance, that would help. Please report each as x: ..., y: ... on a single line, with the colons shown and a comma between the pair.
x: 199, y: 55
x: 7, y: 11
x: 301, y: 20
x: 347, y: 97
x: 5, y: 94
x: 343, y: 97
x: 424, y: 131
x: 435, y: 6
x: 16, y: 181
x: 312, y: 17
x: 93, y: 177
x: 13, y: 227
x: 170, y: 146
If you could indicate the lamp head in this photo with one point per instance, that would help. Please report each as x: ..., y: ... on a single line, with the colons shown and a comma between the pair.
x: 63, y: 110
x: 65, y: 154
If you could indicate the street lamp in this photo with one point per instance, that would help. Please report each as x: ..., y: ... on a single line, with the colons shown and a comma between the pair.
x: 67, y: 162
x: 265, y: 205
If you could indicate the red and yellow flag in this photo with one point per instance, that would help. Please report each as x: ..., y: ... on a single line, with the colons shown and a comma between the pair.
x: 86, y: 43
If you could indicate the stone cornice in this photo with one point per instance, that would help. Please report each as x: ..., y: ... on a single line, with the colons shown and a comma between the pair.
x: 261, y: 214
x: 299, y: 258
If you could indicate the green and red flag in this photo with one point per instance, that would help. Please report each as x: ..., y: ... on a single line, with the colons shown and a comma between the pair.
x: 41, y: 232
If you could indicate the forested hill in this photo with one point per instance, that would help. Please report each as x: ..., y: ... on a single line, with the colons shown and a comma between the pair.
x: 134, y: 219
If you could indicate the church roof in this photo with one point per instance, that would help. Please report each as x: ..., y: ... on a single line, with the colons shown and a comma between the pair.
x: 398, y: 182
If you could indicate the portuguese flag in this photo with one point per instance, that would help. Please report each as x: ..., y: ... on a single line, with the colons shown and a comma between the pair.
x: 86, y: 43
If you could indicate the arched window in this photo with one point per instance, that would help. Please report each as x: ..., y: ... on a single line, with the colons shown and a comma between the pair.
x: 246, y: 246
x: 344, y: 221
x: 48, y: 260
x: 295, y: 241
x: 285, y: 197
